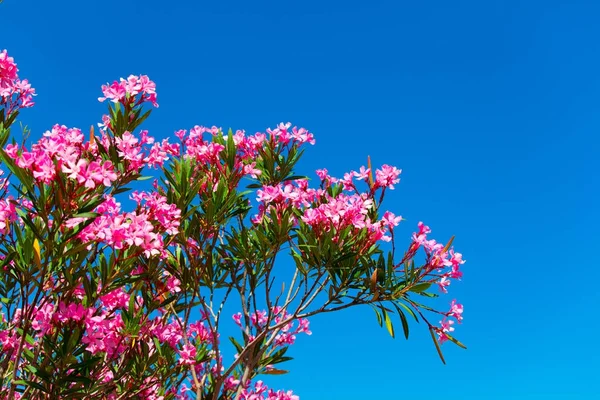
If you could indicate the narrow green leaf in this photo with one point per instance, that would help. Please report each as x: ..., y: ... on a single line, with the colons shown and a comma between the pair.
x: 410, y: 311
x: 388, y: 324
x: 237, y: 346
x: 420, y: 287
x: 379, y: 320
x: 404, y: 322
x: 37, y: 386
x: 456, y: 342
x: 437, y: 345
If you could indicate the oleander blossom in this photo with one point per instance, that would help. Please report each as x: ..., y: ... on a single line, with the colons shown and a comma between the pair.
x: 143, y: 228
x: 132, y: 91
x: 14, y: 92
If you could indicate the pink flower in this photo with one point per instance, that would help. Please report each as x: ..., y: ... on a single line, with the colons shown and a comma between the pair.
x: 446, y: 327
x: 421, y: 237
x: 456, y: 311
x: 363, y: 174
x: 114, y: 92
x: 391, y: 220
x: 8, y: 69
x: 118, y: 298
x: 301, y: 135
x: 108, y: 174
x: 456, y: 260
x: 303, y: 326
x: 173, y: 284
x: 250, y: 169
x: 259, y: 318
x: 103, y: 334
x: 126, y: 91
x: 237, y: 318
x: 76, y: 171
x: 281, y: 395
x: 387, y: 176
x: 187, y: 354
x: 268, y: 194
x: 8, y: 214
x: 73, y: 311
x: 14, y: 93
x: 42, y: 321
x: 443, y: 283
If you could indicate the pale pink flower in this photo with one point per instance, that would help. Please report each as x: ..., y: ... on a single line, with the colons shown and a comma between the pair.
x: 443, y: 283
x: 456, y: 311
x: 387, y: 176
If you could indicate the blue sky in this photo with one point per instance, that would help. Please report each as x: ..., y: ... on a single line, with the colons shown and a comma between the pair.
x: 491, y: 108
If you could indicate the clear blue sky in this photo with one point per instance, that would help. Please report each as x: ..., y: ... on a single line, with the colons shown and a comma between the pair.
x: 491, y: 108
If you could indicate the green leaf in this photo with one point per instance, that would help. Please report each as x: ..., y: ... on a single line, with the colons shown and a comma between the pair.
x: 403, y: 320
x: 86, y: 215
x: 295, y: 178
x: 456, y: 342
x: 36, y: 385
x: 420, y: 287
x: 437, y: 345
x: 379, y: 320
x: 237, y: 346
x: 231, y: 149
x: 410, y: 311
x: 388, y: 324
x: 426, y: 294
x: 120, y: 190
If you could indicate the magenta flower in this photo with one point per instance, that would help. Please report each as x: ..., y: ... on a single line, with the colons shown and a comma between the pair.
x: 187, y: 354
x: 114, y: 92
x: 42, y: 321
x: 14, y: 93
x: 237, y: 318
x: 391, y: 220
x: 126, y: 91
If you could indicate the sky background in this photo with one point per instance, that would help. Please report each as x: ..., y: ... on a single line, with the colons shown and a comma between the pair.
x: 491, y: 108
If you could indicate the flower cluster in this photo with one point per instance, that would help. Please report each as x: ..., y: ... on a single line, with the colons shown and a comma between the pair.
x: 446, y: 323
x: 286, y: 335
x: 259, y: 391
x: 130, y: 149
x: 385, y: 177
x: 324, y: 212
x: 62, y: 150
x: 143, y: 228
x: 14, y: 92
x: 438, y: 257
x: 283, y: 135
x: 132, y: 91
x: 446, y: 262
